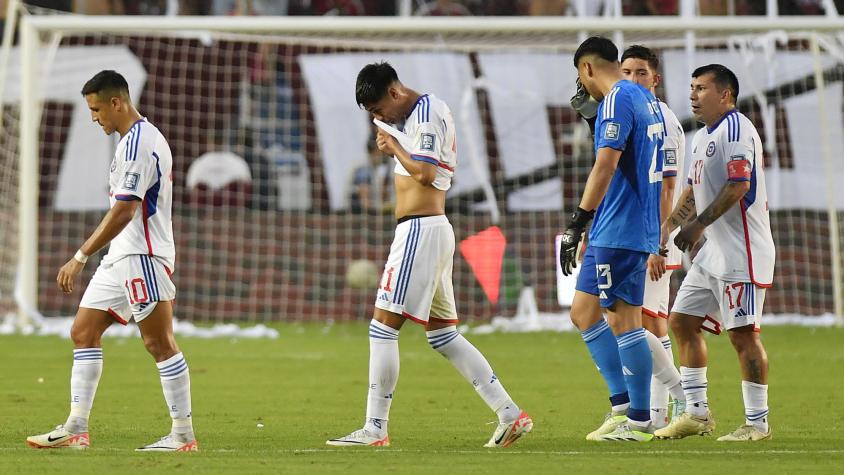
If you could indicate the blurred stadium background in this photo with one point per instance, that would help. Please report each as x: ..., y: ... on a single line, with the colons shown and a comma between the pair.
x: 278, y: 189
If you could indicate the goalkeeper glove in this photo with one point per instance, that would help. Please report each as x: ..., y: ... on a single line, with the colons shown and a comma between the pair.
x: 585, y: 106
x: 570, y: 241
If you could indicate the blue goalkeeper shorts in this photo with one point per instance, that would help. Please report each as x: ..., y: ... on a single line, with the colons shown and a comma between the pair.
x: 613, y: 274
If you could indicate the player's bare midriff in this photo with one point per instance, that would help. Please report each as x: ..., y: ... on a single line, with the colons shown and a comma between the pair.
x: 414, y: 199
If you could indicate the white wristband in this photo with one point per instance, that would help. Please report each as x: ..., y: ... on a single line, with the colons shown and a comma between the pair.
x: 80, y: 257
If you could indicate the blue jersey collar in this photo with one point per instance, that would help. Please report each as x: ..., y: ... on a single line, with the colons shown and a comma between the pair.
x: 415, y: 105
x: 709, y: 130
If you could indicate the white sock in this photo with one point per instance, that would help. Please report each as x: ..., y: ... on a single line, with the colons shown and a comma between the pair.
x: 84, y: 378
x: 694, y: 385
x: 755, y: 404
x: 666, y: 344
x: 175, y: 381
x: 659, y: 391
x: 676, y: 390
x: 383, y: 375
x: 475, y: 368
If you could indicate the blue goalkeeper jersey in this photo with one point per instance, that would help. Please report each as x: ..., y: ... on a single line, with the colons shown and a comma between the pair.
x: 630, y: 120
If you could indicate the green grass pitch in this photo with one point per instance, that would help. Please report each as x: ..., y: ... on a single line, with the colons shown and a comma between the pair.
x: 310, y: 385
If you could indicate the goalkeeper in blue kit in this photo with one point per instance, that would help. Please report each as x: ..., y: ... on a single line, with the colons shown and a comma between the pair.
x: 622, y: 195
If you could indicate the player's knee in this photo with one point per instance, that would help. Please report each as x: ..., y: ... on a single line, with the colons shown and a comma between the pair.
x: 684, y: 326
x: 744, y: 338
x: 83, y: 336
x: 392, y: 320
x: 161, y: 348
x: 584, y: 313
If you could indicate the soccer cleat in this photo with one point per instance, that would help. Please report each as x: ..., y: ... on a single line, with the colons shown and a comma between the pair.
x: 360, y: 438
x: 611, y: 423
x: 746, y: 433
x: 60, y: 438
x: 686, y: 425
x: 626, y: 433
x: 507, y: 433
x: 170, y: 443
x: 660, y: 418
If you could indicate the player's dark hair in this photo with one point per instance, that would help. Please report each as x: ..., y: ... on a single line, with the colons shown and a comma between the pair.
x: 641, y: 52
x: 597, y: 45
x: 106, y: 81
x: 723, y: 77
x: 373, y: 81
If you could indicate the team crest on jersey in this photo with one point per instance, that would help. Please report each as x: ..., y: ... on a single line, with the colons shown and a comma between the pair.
x: 671, y: 158
x: 113, y: 164
x: 710, y: 149
x: 611, y: 132
x: 130, y: 181
x: 428, y: 142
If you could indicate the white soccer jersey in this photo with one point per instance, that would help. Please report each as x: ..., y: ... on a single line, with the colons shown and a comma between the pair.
x: 142, y: 169
x: 431, y: 127
x: 739, y: 245
x: 674, y: 150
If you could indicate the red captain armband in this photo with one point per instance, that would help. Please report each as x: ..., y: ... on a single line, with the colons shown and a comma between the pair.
x: 738, y: 170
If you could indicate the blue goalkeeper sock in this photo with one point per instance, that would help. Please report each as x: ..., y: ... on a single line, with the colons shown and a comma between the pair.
x: 604, y: 350
x: 638, y: 369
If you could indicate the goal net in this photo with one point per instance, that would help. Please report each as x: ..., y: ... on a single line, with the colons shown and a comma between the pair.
x: 283, y: 211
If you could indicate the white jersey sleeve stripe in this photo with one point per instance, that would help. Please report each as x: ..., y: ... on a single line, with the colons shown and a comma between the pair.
x: 131, y: 135
x: 135, y: 147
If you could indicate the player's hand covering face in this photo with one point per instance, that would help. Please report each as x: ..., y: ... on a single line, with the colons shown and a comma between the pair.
x: 583, y: 103
x: 386, y: 143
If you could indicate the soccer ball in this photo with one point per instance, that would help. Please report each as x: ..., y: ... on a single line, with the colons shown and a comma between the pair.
x: 362, y: 274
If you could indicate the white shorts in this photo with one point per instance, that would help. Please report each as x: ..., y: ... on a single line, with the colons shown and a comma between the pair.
x: 719, y: 302
x: 129, y: 288
x: 417, y: 276
x: 655, y: 303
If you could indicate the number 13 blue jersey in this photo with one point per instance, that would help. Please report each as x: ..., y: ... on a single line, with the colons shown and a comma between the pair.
x: 629, y: 120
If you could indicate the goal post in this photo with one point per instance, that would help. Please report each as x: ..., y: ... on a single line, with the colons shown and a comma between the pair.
x: 278, y: 251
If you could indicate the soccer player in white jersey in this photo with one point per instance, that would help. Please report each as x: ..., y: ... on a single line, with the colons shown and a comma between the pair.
x: 416, y: 284
x: 640, y: 65
x: 133, y: 279
x: 726, y: 283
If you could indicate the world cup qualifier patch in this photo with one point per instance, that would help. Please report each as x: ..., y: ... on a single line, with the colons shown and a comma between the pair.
x: 670, y: 158
x: 611, y: 132
x: 428, y: 141
x: 130, y: 181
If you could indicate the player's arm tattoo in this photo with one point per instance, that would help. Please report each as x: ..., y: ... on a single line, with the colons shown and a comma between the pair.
x: 727, y: 197
x: 685, y: 210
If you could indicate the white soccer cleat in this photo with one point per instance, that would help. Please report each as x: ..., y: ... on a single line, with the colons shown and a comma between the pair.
x: 746, y: 433
x: 611, y: 423
x: 60, y: 438
x: 360, y: 438
x: 687, y: 425
x: 627, y: 433
x: 506, y: 434
x: 660, y: 418
x: 170, y: 443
